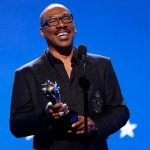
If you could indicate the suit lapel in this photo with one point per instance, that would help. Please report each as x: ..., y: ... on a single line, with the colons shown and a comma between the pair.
x: 91, y: 75
x: 42, y: 70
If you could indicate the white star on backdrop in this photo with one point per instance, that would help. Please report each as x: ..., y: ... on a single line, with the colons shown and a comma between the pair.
x: 127, y: 130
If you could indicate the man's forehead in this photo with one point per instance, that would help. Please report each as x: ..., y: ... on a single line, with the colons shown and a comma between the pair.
x: 56, y: 11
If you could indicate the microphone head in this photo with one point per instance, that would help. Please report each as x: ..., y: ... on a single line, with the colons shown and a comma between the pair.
x: 82, y: 50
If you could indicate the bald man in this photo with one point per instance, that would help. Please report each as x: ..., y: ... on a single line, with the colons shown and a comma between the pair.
x: 51, y: 122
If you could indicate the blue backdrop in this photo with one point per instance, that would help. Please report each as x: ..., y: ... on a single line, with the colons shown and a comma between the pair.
x: 119, y: 29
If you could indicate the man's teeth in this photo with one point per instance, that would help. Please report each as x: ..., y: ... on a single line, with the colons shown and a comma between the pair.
x: 62, y: 34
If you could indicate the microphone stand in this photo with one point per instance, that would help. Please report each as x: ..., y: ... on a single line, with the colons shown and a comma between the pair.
x: 85, y: 86
x: 84, y: 83
x: 85, y: 89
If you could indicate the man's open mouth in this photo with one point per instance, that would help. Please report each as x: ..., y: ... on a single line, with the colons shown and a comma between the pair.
x: 62, y: 34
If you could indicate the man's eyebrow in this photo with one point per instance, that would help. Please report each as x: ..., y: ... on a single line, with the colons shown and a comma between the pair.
x: 51, y: 16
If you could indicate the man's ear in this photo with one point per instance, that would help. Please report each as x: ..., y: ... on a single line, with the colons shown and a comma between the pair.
x: 42, y: 32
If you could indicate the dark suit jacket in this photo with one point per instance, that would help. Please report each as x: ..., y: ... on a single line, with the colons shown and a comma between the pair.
x: 28, y: 117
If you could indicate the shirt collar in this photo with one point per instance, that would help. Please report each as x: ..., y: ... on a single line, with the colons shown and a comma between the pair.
x: 53, y: 60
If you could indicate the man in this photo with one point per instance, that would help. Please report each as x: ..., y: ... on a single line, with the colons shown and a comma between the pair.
x: 32, y: 113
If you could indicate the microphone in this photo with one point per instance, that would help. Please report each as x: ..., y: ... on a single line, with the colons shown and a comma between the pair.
x: 82, y: 50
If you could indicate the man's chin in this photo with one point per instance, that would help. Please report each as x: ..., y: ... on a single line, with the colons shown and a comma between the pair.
x: 64, y: 44
x: 64, y: 49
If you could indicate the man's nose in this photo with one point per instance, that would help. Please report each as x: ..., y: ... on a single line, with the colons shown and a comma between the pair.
x: 61, y: 23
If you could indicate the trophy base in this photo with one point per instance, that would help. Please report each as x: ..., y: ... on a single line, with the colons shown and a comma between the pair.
x: 69, y: 119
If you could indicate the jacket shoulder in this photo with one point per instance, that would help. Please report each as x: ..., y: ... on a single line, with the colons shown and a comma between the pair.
x: 97, y: 58
x: 32, y: 64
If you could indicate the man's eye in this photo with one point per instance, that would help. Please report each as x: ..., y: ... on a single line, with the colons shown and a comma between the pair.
x: 67, y: 18
x: 52, y: 20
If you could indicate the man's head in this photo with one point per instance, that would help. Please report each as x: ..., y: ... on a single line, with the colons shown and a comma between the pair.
x: 57, y: 26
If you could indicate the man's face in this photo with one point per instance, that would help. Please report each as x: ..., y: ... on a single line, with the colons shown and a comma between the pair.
x: 60, y: 35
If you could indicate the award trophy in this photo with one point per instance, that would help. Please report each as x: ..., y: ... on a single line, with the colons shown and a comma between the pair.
x: 51, y: 91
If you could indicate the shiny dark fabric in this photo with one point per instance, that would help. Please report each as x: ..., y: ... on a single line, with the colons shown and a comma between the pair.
x: 106, y: 104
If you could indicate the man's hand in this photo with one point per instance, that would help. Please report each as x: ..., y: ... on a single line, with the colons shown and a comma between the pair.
x: 57, y: 110
x: 80, y: 126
